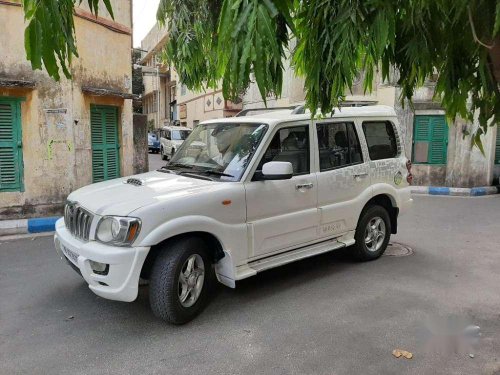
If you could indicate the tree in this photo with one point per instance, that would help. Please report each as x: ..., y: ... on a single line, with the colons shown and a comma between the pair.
x: 235, y: 40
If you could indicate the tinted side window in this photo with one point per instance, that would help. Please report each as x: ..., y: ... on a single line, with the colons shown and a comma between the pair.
x: 381, y: 139
x: 292, y: 145
x: 338, y: 145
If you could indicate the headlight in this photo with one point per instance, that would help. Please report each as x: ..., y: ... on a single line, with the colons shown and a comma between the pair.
x: 121, y: 231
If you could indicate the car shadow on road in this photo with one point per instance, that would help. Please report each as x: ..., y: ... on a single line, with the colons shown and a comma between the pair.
x: 266, y: 285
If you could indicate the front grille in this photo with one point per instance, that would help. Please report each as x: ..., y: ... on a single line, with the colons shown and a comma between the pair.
x: 78, y: 221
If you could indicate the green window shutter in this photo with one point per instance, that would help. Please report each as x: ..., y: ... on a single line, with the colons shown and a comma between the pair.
x: 497, y: 146
x: 421, y: 139
x: 430, y: 140
x: 11, y: 165
x: 439, y: 140
x: 105, y: 143
x: 422, y: 128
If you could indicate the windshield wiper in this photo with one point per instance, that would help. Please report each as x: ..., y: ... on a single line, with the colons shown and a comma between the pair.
x: 179, y: 165
x: 164, y: 169
x: 216, y: 173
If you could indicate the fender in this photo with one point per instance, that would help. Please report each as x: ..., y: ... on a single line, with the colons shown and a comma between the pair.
x: 229, y: 236
x: 389, y: 190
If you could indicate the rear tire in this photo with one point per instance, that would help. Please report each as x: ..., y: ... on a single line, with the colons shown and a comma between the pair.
x: 175, y: 293
x: 372, y: 233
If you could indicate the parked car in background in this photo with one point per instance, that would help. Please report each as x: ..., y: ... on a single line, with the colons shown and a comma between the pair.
x: 171, y: 137
x: 153, y: 143
x: 242, y: 195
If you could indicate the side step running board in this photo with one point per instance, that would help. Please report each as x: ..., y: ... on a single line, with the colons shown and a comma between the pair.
x: 293, y: 255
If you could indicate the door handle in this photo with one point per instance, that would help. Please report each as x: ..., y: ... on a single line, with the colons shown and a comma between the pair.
x: 304, y: 186
x: 360, y: 175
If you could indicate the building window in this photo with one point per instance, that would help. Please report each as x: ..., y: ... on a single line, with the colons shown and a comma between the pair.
x: 11, y: 155
x: 430, y: 140
x: 105, y: 142
x: 497, y: 146
x: 381, y: 139
x: 183, y: 89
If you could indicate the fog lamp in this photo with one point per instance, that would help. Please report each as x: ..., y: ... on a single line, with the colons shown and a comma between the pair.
x: 99, y: 268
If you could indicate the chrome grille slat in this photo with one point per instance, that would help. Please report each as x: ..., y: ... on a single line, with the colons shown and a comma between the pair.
x: 78, y: 221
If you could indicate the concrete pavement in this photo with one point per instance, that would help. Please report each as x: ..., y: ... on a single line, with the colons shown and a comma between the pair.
x: 155, y: 161
x: 324, y: 315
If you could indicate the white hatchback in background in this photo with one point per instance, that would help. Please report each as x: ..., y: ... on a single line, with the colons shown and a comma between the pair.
x: 240, y: 196
x: 171, y: 138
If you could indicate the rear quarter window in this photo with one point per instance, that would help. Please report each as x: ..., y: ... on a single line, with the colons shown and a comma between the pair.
x: 381, y: 139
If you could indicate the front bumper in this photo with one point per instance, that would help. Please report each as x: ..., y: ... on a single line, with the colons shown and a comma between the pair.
x: 125, y: 264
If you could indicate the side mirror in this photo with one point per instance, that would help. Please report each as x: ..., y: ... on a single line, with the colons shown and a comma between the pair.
x: 277, y: 170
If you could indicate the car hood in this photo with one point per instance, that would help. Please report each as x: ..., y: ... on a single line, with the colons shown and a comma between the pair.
x: 117, y: 197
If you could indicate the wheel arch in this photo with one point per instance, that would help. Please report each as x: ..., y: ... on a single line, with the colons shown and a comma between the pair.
x: 213, y: 244
x: 388, y: 202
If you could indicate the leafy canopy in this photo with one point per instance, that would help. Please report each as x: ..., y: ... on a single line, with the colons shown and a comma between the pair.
x: 330, y: 42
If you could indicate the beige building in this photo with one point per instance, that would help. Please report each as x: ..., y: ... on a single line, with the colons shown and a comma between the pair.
x: 166, y: 100
x: 58, y: 136
x: 159, y: 87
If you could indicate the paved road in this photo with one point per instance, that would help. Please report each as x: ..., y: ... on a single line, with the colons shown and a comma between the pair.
x: 155, y: 161
x: 324, y: 315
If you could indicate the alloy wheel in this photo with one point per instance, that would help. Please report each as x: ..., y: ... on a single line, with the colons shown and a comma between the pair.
x: 375, y: 234
x: 191, y: 280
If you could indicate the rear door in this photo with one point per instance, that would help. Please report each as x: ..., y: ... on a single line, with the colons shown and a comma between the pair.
x: 283, y: 214
x: 387, y: 160
x: 343, y: 178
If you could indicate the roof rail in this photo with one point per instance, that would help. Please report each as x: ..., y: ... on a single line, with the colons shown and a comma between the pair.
x: 292, y: 108
x: 300, y: 109
x: 358, y: 103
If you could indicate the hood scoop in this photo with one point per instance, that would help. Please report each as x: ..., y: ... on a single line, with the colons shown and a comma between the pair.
x: 134, y: 181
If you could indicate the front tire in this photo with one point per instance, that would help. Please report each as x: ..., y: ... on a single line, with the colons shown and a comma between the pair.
x: 180, y: 282
x: 372, y: 233
x: 163, y: 156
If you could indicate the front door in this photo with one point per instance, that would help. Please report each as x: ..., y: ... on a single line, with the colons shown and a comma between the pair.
x: 343, y: 179
x: 105, y: 143
x: 283, y: 214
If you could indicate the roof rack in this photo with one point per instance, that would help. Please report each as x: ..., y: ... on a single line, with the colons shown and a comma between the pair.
x: 300, y: 109
x: 358, y: 103
x: 254, y: 111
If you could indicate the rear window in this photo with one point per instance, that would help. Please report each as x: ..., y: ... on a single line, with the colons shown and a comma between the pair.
x: 381, y: 139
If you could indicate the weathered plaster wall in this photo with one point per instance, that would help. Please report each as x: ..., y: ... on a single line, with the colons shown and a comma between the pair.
x: 466, y: 166
x: 56, y: 147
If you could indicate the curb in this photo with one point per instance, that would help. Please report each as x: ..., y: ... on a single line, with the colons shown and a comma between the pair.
x: 457, y: 192
x: 27, y: 226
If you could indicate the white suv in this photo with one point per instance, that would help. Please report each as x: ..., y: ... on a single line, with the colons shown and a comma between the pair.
x: 240, y: 196
x: 171, y: 138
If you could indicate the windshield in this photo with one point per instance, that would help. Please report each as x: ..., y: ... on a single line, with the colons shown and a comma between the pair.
x: 180, y: 135
x: 152, y: 137
x: 222, y: 151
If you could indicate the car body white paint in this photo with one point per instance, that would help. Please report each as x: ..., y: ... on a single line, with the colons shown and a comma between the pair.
x: 266, y: 224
